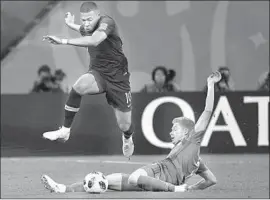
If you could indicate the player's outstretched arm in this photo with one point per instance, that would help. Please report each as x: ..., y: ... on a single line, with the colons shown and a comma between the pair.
x: 94, y: 40
x: 85, y: 41
x: 69, y: 20
x: 203, y: 121
x: 208, y: 180
x: 106, y: 26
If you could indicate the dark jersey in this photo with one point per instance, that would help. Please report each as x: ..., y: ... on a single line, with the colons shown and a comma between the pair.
x: 108, y: 58
x: 183, y: 161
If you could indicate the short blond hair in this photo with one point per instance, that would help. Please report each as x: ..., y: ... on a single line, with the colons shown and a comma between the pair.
x: 185, y: 122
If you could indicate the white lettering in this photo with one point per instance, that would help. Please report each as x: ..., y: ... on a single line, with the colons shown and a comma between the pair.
x: 263, y: 115
x: 231, y: 126
x: 148, y: 115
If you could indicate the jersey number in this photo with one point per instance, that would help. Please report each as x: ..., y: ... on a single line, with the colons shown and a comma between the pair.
x: 128, y: 97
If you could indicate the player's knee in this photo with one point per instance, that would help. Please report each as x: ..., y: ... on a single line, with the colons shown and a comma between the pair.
x: 80, y: 88
x: 133, y: 178
x: 84, y: 84
x: 124, y: 126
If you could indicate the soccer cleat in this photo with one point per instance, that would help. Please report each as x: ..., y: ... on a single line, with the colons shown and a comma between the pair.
x: 51, y: 185
x: 128, y: 146
x: 62, y: 134
x: 180, y: 188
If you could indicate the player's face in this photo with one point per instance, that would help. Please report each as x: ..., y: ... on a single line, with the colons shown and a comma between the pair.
x: 89, y: 20
x: 160, y: 77
x: 178, y: 133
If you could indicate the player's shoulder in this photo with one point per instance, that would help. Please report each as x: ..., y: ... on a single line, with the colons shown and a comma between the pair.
x: 107, y: 19
x: 193, y: 135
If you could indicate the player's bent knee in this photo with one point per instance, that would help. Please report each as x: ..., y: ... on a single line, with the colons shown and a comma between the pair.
x: 124, y: 126
x: 84, y: 84
x: 133, y: 178
x: 80, y: 88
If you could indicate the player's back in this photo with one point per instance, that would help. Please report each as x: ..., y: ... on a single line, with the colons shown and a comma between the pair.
x: 183, y: 160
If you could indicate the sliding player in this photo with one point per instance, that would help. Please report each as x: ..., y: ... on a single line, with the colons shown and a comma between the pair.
x: 108, y: 72
x: 171, y: 173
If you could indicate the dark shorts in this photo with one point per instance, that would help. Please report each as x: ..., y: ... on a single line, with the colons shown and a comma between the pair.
x: 118, y: 94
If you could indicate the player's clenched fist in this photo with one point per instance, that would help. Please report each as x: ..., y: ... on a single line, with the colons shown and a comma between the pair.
x: 214, y: 78
x: 69, y: 19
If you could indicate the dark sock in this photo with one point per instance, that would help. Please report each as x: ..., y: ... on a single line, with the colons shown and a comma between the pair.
x: 152, y: 184
x: 72, y: 107
x: 129, y: 132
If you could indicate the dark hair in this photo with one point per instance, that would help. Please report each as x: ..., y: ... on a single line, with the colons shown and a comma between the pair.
x: 44, y: 68
x: 88, y: 7
x: 171, y: 74
x: 163, y: 69
x: 59, y: 72
x: 223, y: 68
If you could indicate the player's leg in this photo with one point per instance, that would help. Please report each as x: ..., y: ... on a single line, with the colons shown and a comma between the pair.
x: 121, y: 101
x: 124, y: 121
x: 119, y: 182
x: 150, y: 178
x: 116, y: 181
x: 53, y: 186
x: 90, y: 83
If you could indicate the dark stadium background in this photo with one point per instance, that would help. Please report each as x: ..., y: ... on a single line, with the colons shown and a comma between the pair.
x: 177, y: 35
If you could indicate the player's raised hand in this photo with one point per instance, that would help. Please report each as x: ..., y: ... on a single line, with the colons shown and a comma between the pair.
x: 69, y: 19
x: 214, y: 78
x: 53, y: 39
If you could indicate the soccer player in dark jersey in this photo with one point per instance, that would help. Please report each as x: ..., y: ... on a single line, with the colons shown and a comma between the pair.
x: 108, y: 72
x: 171, y: 173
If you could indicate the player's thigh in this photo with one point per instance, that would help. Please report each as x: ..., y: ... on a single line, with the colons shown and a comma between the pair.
x: 90, y: 83
x: 119, y: 99
x: 121, y: 102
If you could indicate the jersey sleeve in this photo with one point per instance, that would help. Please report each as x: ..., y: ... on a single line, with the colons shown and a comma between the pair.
x: 106, y: 25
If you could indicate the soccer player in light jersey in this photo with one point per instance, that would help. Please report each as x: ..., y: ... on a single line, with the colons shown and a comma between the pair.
x: 108, y: 72
x: 171, y: 173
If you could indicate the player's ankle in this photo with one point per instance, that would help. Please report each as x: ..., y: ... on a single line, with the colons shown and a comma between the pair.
x: 128, y: 134
x: 127, y: 137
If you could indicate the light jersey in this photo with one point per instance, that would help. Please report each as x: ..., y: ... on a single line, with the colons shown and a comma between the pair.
x: 108, y: 58
x: 183, y: 160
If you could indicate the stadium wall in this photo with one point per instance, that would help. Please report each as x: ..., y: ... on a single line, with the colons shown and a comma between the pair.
x: 200, y: 36
x: 239, y: 124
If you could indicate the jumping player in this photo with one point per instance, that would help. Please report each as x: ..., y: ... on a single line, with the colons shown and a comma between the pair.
x: 108, y: 72
x: 171, y: 173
